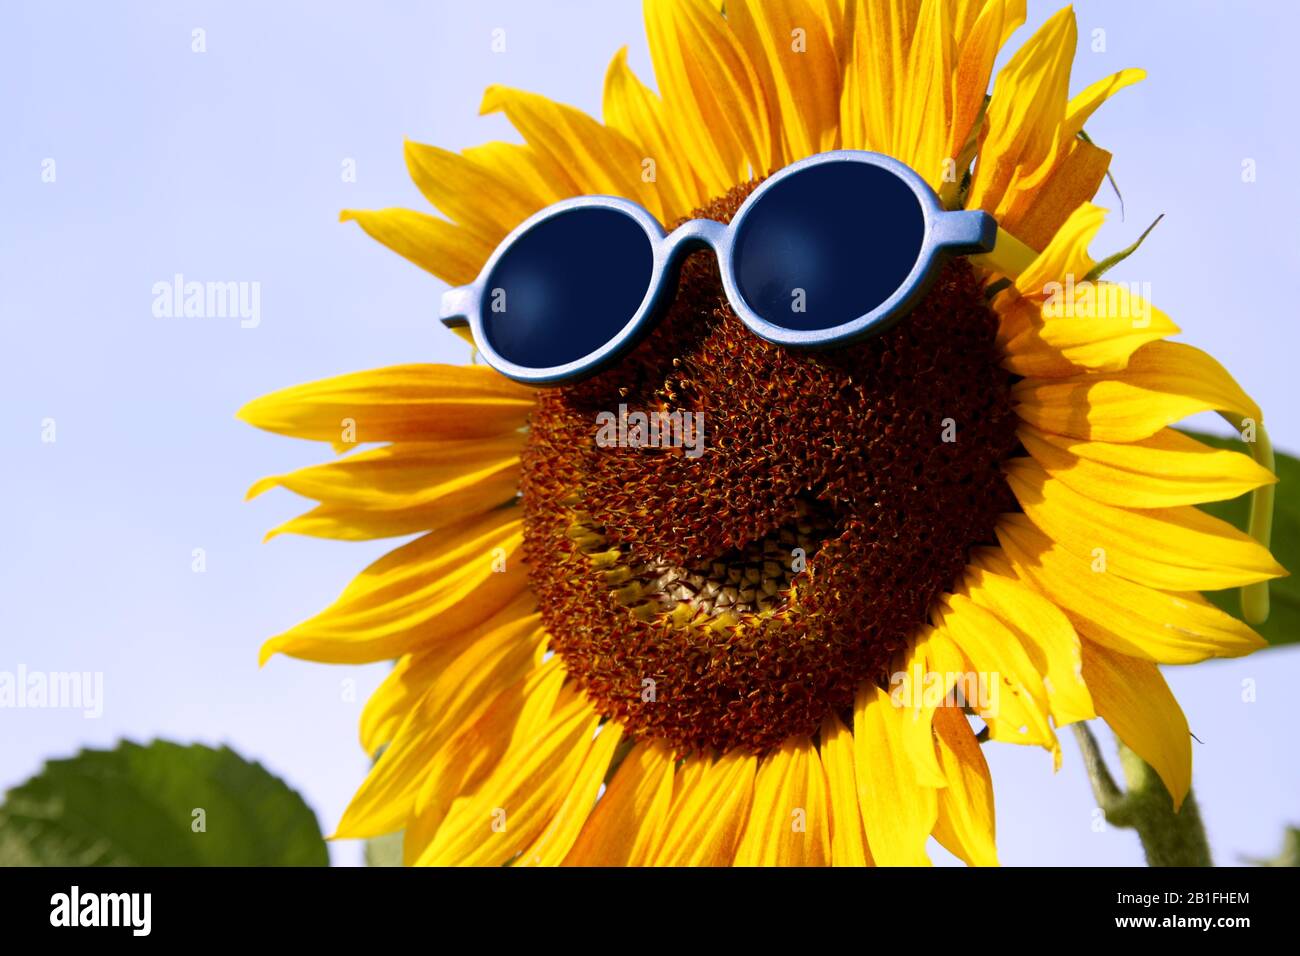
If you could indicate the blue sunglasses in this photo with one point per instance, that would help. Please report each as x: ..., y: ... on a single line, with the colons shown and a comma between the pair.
x: 830, y: 250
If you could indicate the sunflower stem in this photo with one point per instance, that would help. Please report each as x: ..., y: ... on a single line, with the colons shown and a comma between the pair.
x: 1108, y: 795
x: 1169, y: 837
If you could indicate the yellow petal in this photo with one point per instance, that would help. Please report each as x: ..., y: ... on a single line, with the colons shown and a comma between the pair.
x: 1013, y: 19
x: 1167, y: 469
x: 1125, y: 617
x: 420, y: 486
x: 499, y: 645
x: 965, y: 825
x: 1134, y: 699
x: 848, y: 839
x: 979, y: 32
x: 624, y: 828
x: 401, y: 475
x: 875, y: 73
x: 518, y: 801
x: 596, y: 159
x: 459, y: 695
x: 1164, y: 382
x: 709, y: 812
x: 515, y: 716
x: 1085, y: 104
x: 519, y: 169
x: 713, y: 99
x: 1022, y: 133
x: 453, y: 253
x: 554, y: 843
x: 1174, y: 549
x: 1066, y: 254
x: 1072, y: 180
x: 438, y: 584
x: 1012, y: 698
x: 1064, y: 323
x: 794, y: 59
x: 634, y: 110
x: 1097, y: 326
x: 854, y: 91
x: 399, y: 403
x: 789, y: 821
x: 352, y: 524
x: 897, y: 812
x: 835, y: 18
x: 929, y: 669
x: 923, y: 124
x: 540, y: 705
x: 1045, y: 633
x: 468, y: 192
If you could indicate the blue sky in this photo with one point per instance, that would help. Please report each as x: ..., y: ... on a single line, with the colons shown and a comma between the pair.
x: 227, y: 166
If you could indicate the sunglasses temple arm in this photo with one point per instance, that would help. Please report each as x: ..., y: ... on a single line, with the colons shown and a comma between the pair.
x: 455, y: 308
x: 965, y: 232
x: 454, y: 311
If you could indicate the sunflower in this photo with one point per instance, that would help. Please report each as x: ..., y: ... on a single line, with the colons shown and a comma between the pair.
x: 610, y: 656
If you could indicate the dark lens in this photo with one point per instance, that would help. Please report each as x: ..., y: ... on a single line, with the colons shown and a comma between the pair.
x: 828, y: 245
x: 566, y: 287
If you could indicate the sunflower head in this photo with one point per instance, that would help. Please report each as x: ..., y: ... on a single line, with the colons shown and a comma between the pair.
x: 711, y: 643
x: 804, y: 546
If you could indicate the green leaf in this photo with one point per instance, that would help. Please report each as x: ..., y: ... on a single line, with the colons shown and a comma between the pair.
x: 163, y: 804
x: 1283, y: 624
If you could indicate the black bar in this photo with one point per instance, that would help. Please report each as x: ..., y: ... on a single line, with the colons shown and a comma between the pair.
x: 432, y: 908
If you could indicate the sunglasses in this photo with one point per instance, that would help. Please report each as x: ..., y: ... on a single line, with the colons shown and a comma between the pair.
x: 830, y: 250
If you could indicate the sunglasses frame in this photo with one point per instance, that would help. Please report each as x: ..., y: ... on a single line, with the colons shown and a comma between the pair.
x: 946, y: 233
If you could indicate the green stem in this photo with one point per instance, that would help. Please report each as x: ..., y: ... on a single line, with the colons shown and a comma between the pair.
x: 1169, y: 837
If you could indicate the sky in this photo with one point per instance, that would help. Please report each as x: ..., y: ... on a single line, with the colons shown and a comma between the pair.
x: 129, y: 158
